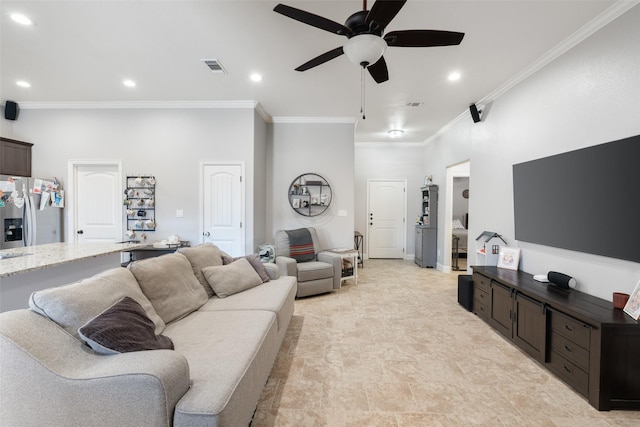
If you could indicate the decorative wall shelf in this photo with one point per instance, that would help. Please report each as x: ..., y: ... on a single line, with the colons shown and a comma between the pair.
x: 310, y: 194
x: 140, y: 204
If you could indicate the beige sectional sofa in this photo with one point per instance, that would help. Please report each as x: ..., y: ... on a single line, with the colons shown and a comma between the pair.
x: 224, y: 347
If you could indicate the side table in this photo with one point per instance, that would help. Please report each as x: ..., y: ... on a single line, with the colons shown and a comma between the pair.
x: 349, y: 257
x: 358, y: 244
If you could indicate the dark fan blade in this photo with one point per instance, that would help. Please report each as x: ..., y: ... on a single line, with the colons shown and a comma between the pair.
x: 379, y: 71
x: 383, y: 12
x: 313, y: 20
x: 318, y: 60
x: 423, y: 38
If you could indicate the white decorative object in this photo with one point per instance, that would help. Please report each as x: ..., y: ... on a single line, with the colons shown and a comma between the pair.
x: 509, y: 258
x: 632, y: 308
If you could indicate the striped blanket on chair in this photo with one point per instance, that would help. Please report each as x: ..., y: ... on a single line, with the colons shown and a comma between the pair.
x: 301, y: 245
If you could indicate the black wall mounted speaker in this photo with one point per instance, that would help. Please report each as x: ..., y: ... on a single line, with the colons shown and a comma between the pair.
x: 475, y: 115
x: 10, y: 110
x: 561, y: 280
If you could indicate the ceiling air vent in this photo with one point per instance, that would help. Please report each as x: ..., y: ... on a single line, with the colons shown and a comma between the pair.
x: 414, y: 104
x: 215, y: 66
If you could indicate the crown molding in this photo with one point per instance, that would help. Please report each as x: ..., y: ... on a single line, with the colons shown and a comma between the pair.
x: 389, y: 144
x: 345, y: 120
x: 263, y: 113
x: 97, y: 105
x: 597, y: 23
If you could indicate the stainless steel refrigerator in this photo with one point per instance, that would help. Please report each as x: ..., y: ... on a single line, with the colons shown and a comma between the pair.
x: 26, y: 219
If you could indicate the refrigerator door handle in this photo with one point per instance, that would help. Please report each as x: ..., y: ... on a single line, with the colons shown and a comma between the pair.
x: 33, y: 222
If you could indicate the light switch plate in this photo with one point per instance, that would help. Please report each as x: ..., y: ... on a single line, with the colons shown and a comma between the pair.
x: 342, y: 213
x: 179, y: 213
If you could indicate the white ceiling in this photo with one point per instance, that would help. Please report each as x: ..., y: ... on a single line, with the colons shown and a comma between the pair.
x: 80, y: 51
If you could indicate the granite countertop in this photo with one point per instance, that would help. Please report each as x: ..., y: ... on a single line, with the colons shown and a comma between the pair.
x: 44, y: 256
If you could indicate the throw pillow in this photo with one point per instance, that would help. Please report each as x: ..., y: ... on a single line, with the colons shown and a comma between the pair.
x: 232, y: 278
x: 255, y: 262
x: 71, y: 306
x: 202, y: 256
x: 169, y: 283
x: 122, y: 328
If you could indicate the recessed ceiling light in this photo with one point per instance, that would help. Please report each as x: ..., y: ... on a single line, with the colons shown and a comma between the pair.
x: 22, y: 19
x: 255, y: 77
x: 454, y: 76
x: 395, y: 133
x: 22, y: 83
x: 129, y: 83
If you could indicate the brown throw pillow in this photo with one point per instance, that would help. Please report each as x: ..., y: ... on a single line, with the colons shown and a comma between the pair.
x: 122, y: 328
x: 255, y: 262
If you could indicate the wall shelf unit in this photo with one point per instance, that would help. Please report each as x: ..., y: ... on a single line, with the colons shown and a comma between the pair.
x: 310, y: 194
x: 140, y: 204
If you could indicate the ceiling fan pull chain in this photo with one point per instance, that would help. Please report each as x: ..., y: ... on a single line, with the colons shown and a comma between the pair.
x: 362, y: 93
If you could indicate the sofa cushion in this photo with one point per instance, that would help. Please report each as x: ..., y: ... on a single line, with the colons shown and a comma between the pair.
x: 229, y: 364
x: 202, y: 256
x: 314, y: 270
x: 232, y: 278
x: 122, y: 328
x: 255, y: 262
x: 73, y: 305
x: 169, y: 283
x: 276, y: 296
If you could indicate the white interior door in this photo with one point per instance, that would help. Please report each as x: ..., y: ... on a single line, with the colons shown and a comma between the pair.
x: 223, y: 207
x: 386, y: 215
x: 96, y: 211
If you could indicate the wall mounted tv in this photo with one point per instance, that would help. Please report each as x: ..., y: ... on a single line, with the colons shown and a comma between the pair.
x: 586, y: 200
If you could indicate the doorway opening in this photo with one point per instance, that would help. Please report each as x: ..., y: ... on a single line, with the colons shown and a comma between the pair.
x: 457, y: 218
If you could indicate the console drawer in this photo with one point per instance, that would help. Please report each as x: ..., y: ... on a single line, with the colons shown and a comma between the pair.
x: 570, y: 373
x: 571, y: 328
x: 482, y: 282
x: 480, y: 308
x: 570, y: 351
x: 481, y: 295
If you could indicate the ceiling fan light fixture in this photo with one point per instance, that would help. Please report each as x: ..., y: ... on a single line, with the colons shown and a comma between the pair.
x: 365, y: 49
x: 395, y: 133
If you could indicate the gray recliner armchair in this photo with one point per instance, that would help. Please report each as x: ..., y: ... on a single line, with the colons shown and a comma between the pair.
x: 320, y: 275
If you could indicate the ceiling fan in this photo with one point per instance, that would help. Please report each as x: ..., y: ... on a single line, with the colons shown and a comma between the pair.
x: 364, y: 30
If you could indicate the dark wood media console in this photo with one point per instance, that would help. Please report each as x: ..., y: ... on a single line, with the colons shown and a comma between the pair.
x: 582, y: 339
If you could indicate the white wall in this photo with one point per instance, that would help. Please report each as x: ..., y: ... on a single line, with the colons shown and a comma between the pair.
x: 390, y: 161
x: 587, y: 96
x: 259, y: 211
x: 322, y: 148
x: 166, y: 142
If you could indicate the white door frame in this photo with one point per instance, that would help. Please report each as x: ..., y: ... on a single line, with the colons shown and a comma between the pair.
x: 71, y: 207
x: 242, y: 199
x: 404, y: 213
x: 462, y: 169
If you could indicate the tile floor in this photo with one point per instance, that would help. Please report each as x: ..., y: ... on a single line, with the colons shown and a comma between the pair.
x: 398, y: 350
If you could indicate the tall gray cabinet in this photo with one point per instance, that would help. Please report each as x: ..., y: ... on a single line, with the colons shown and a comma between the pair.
x: 427, y: 230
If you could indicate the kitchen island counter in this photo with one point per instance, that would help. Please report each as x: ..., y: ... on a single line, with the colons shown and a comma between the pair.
x: 53, y: 254
x: 53, y: 264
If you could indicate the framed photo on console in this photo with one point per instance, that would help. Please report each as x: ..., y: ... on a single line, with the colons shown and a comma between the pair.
x: 632, y: 308
x: 509, y: 258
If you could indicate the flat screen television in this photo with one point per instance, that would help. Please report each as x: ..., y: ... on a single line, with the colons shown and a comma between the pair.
x: 586, y: 200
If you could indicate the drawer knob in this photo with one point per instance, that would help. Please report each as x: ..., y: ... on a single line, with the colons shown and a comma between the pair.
x: 568, y: 327
x: 568, y: 369
x: 568, y: 348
